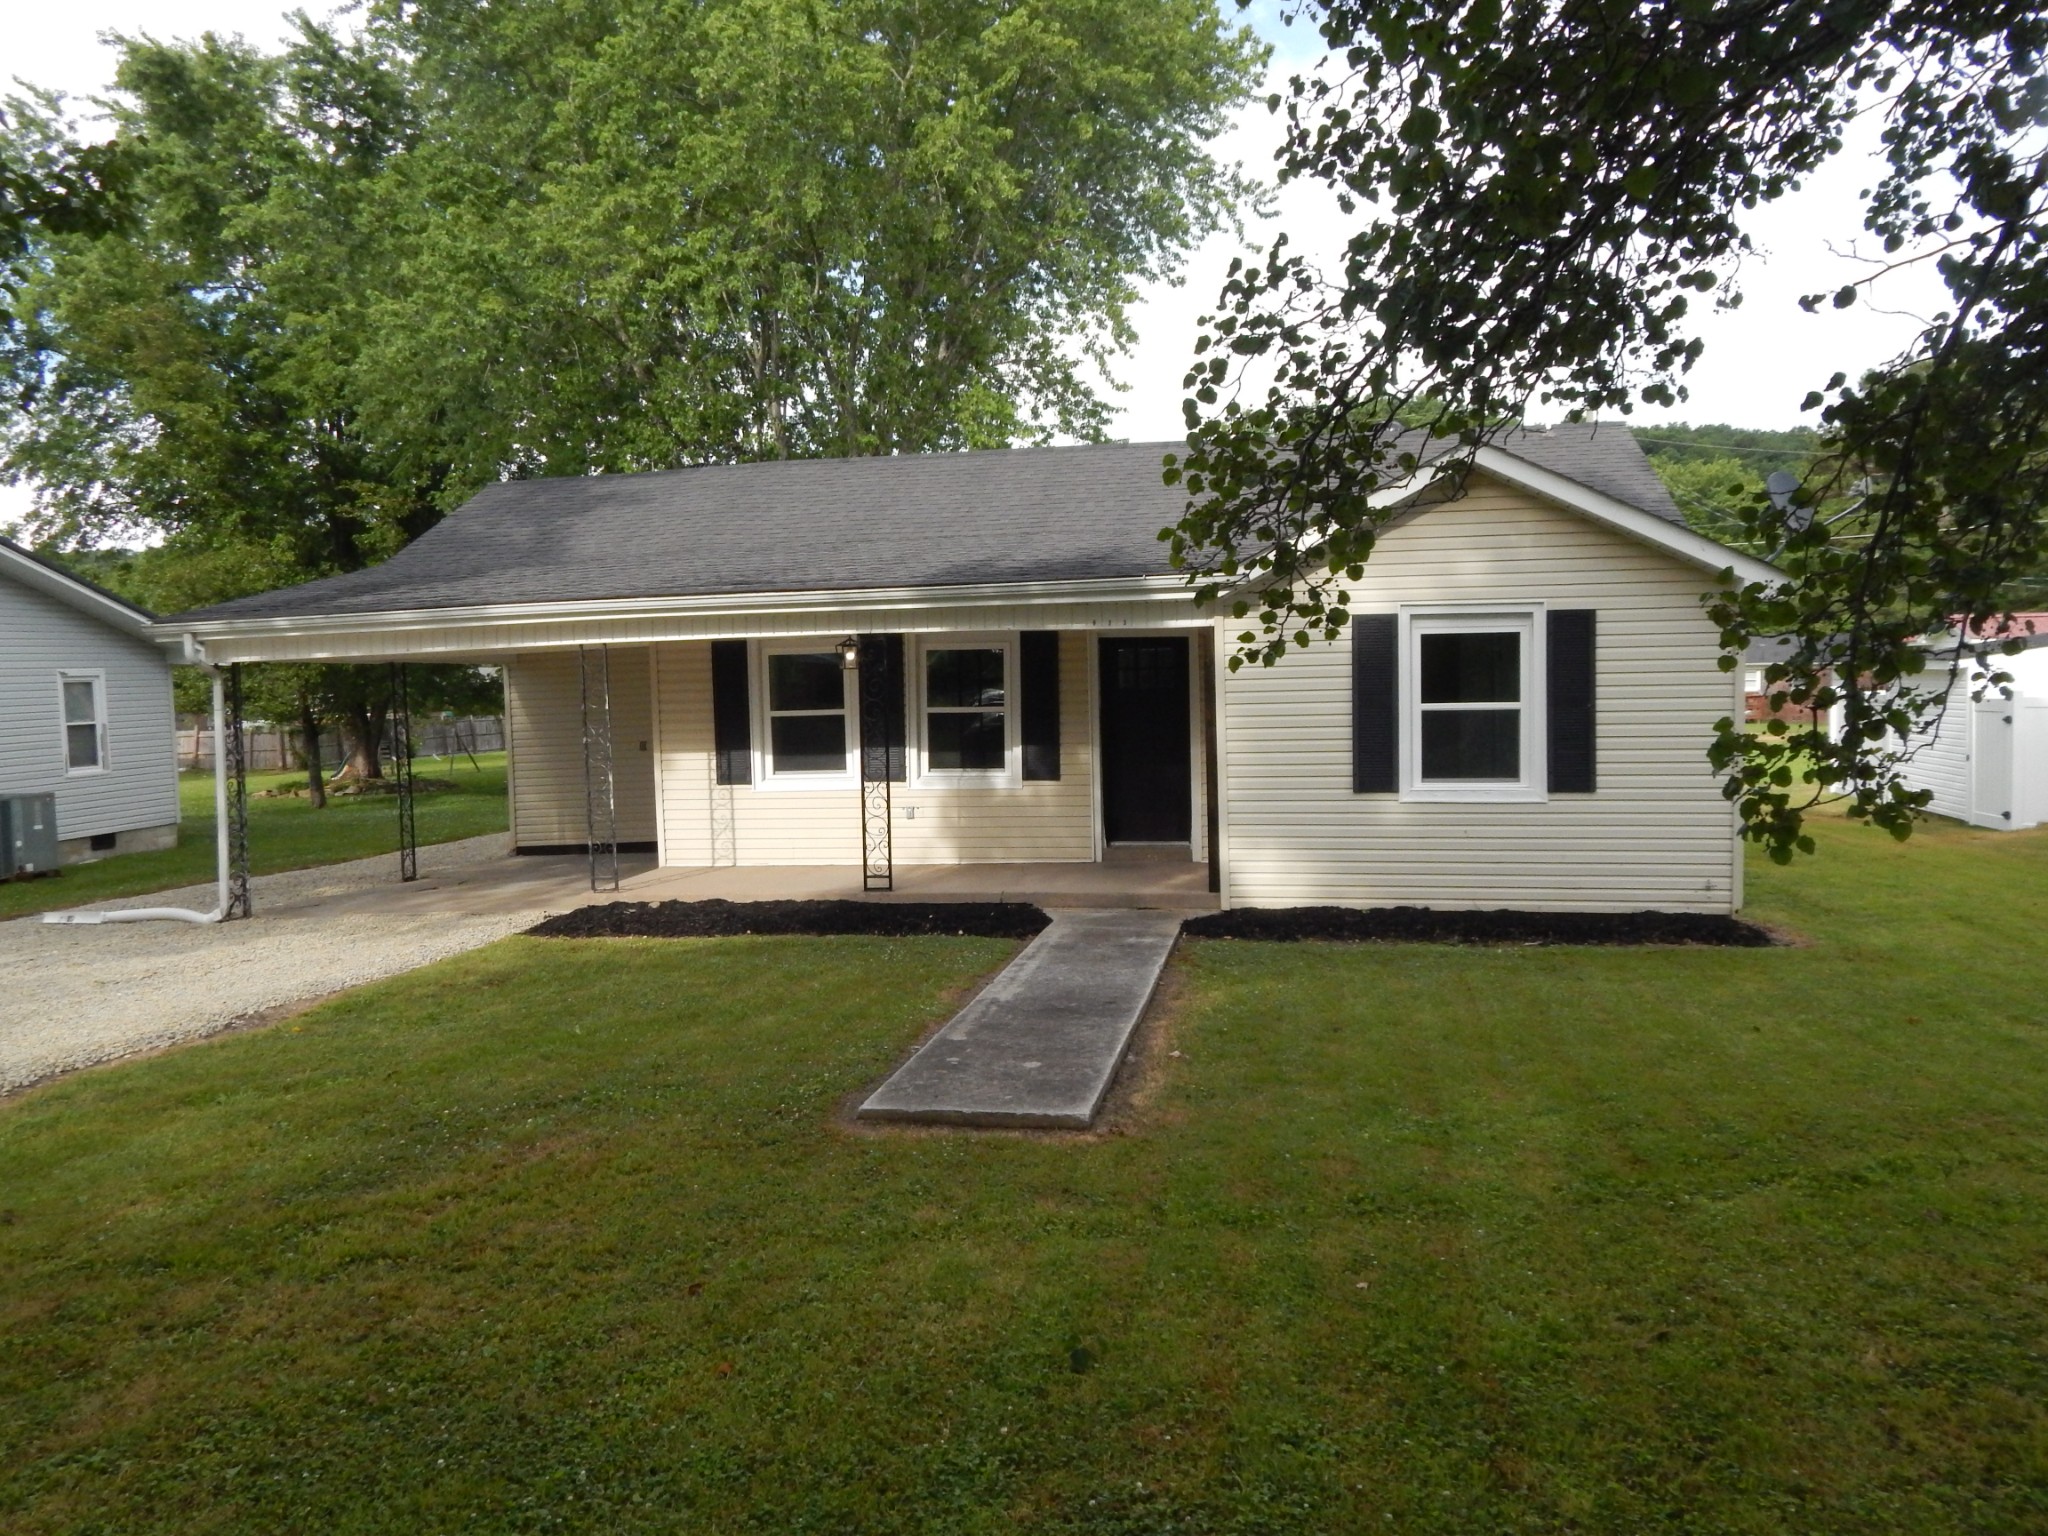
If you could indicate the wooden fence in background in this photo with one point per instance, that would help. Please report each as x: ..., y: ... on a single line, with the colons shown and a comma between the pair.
x: 271, y: 749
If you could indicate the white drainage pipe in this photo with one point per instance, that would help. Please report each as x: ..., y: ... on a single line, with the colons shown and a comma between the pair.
x: 220, y: 847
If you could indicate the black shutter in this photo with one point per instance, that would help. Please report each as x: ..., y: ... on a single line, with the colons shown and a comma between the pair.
x: 1375, y: 703
x: 1038, y: 680
x: 731, y: 731
x: 881, y: 665
x: 1569, y: 644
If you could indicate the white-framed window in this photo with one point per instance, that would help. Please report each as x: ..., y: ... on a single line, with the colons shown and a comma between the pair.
x: 806, y: 704
x: 82, y: 702
x: 1472, y: 723
x: 963, y: 704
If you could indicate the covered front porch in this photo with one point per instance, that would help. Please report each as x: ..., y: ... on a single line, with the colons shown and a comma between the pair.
x: 1061, y: 750
x: 940, y: 763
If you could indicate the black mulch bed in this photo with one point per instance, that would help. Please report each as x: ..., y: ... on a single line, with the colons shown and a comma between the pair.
x: 1421, y: 925
x: 722, y: 919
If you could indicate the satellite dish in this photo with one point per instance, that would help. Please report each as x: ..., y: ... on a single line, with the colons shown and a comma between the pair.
x: 1780, y: 487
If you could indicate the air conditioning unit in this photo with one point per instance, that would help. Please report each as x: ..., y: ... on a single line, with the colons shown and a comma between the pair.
x: 28, y: 835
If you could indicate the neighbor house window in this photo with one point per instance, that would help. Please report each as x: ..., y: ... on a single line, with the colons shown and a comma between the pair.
x: 1474, y: 726
x: 964, y: 711
x: 806, y: 696
x: 84, y: 696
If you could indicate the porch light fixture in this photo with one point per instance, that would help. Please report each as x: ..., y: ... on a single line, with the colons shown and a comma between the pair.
x: 849, y: 654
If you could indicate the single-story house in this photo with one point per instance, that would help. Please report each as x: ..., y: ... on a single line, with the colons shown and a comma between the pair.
x: 85, y: 709
x: 1985, y: 760
x: 1519, y: 715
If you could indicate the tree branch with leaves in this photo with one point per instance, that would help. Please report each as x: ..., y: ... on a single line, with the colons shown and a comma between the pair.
x: 1544, y: 191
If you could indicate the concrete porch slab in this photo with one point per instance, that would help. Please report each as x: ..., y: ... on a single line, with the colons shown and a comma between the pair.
x: 1041, y: 1043
x: 1177, y: 887
x: 510, y: 883
x: 558, y: 882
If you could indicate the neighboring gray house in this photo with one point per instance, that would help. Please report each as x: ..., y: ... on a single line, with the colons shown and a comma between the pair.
x: 85, y: 709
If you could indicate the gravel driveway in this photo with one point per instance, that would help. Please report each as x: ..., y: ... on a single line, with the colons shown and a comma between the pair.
x: 79, y: 995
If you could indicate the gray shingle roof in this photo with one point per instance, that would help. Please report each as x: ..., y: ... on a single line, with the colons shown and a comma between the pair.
x: 932, y: 520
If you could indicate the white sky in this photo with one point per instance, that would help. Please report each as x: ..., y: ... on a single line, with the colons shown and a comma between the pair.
x: 1759, y: 363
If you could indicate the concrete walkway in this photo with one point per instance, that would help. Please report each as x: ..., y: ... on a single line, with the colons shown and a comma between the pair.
x: 1041, y: 1043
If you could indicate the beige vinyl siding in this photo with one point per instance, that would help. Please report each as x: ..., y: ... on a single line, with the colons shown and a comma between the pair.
x: 705, y: 823
x: 544, y: 726
x: 1656, y: 834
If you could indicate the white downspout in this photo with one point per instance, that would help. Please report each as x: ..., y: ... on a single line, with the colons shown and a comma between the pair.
x: 220, y: 844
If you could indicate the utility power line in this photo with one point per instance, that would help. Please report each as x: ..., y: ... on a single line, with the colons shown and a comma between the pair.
x: 1680, y: 442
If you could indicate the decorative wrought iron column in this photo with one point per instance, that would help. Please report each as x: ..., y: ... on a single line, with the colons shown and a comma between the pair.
x: 401, y: 768
x: 879, y: 728
x: 239, y: 904
x: 600, y: 808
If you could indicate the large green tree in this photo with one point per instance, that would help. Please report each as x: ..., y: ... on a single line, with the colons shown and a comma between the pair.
x: 187, y: 376
x: 362, y: 277
x: 190, y: 375
x: 1542, y: 193
x: 640, y: 233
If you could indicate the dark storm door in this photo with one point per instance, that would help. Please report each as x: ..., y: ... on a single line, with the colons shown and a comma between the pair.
x: 1147, y: 766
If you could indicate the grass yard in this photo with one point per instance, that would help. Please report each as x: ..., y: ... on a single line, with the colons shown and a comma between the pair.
x: 284, y: 833
x: 565, y: 1236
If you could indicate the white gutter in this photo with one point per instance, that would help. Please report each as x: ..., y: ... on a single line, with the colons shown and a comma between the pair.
x: 738, y: 604
x: 220, y: 847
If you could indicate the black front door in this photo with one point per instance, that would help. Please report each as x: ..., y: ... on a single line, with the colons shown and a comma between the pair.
x: 1146, y: 764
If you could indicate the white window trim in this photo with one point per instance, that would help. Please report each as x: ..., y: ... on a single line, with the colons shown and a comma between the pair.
x: 765, y: 776
x: 1525, y: 618
x: 1011, y: 775
x: 64, y: 722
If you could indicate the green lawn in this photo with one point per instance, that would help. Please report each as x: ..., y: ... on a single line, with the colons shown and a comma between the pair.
x: 284, y: 833
x: 566, y: 1236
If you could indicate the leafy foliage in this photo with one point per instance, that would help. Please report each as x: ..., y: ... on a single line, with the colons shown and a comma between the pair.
x: 1715, y: 473
x: 48, y: 190
x: 191, y: 376
x: 770, y: 228
x: 363, y: 277
x: 367, y: 276
x: 1544, y: 193
x: 1764, y: 449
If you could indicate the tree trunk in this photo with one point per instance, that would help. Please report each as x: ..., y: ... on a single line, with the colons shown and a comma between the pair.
x: 364, y: 727
x: 309, y: 749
